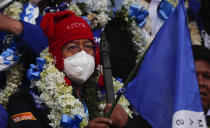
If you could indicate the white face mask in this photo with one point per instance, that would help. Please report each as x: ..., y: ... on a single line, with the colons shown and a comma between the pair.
x: 79, y: 67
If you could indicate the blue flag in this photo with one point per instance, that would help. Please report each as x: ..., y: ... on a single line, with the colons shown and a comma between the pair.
x: 165, y: 91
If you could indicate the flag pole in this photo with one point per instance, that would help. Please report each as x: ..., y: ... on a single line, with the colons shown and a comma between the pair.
x: 130, y: 77
x: 106, y: 63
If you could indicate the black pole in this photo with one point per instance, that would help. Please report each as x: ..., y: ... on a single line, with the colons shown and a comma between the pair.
x: 130, y: 77
x: 107, y: 71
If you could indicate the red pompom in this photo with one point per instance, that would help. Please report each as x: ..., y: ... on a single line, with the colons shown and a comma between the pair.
x: 67, y: 81
x: 101, y: 81
x: 97, y: 57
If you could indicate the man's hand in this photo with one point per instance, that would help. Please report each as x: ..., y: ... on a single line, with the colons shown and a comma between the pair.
x: 99, y: 122
x: 119, y: 117
x: 8, y: 24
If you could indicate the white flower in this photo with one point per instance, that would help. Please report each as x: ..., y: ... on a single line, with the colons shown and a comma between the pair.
x: 75, y: 8
x: 14, y: 75
x: 101, y: 5
x: 98, y: 11
x: 123, y: 101
x: 95, y: 5
x: 14, y: 10
x: 103, y: 18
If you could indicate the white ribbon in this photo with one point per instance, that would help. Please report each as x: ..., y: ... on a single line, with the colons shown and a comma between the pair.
x: 31, y: 13
x: 8, y: 58
x: 206, y: 38
x: 156, y: 22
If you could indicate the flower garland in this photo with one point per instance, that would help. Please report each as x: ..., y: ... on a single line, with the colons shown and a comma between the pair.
x: 58, y: 96
x: 123, y: 101
x: 14, y: 79
x: 14, y: 10
x: 141, y: 36
x: 194, y: 33
x: 15, y: 73
x: 98, y: 13
x: 118, y: 85
x: 173, y: 2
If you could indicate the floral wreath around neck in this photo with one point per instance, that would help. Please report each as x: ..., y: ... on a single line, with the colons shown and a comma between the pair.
x: 58, y: 96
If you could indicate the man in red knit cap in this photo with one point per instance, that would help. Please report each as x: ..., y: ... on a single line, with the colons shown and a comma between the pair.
x: 75, y: 54
x: 72, y: 46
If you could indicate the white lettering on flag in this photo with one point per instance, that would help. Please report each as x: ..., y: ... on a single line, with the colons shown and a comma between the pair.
x: 188, y: 119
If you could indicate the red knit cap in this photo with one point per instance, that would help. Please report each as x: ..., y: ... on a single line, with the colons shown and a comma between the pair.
x: 61, y: 28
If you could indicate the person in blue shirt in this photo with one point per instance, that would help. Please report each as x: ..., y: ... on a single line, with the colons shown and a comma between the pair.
x: 29, y: 39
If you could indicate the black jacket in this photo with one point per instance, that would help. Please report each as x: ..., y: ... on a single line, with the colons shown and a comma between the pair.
x: 27, y: 102
x: 27, y: 111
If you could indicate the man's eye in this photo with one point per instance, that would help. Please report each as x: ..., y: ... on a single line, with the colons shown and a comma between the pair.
x: 72, y: 47
x: 88, y: 46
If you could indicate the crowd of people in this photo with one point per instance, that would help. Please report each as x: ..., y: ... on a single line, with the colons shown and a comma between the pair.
x: 73, y: 53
